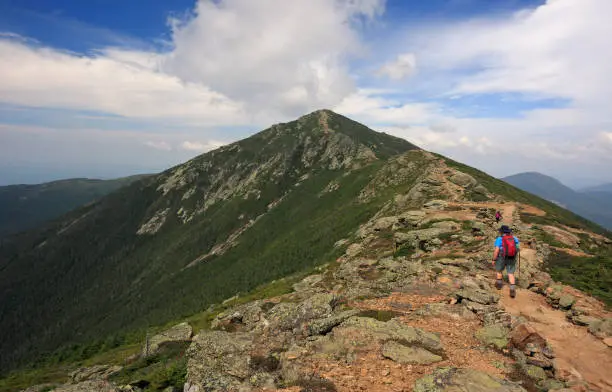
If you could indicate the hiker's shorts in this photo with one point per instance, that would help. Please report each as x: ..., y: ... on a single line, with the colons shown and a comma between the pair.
x: 509, y: 264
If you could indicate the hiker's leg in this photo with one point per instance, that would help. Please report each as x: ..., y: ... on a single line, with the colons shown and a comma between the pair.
x: 511, y: 268
x: 511, y: 279
x: 499, y: 267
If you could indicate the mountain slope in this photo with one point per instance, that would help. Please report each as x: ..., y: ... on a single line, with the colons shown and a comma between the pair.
x: 596, y: 206
x: 167, y: 245
x: 407, y: 301
x: 23, y: 207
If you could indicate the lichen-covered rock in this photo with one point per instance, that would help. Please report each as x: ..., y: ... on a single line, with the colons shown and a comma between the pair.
x: 535, y: 372
x: 495, y: 335
x: 323, y: 326
x: 478, y: 226
x: 218, y: 361
x: 585, y: 320
x: 463, y: 380
x: 463, y: 179
x: 480, y: 296
x: 395, y: 330
x: 178, y: 333
x: 601, y: 328
x: 246, y: 315
x: 408, y: 354
x: 566, y: 301
x: 97, y: 372
x: 287, y: 316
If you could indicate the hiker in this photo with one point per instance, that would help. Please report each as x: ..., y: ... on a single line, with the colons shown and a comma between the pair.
x: 504, y: 256
x: 498, y: 216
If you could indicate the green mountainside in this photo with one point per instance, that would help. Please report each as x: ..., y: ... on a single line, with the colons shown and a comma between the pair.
x: 168, y: 245
x: 595, y: 205
x: 24, y: 207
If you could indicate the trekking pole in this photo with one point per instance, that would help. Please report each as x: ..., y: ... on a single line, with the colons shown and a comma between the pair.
x: 518, y: 275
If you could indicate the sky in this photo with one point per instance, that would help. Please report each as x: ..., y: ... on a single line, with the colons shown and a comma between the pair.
x: 106, y: 88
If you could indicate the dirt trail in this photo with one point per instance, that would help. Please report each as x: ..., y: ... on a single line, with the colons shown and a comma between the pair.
x: 579, y: 355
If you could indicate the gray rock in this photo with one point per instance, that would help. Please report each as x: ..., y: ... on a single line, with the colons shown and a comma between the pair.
x: 247, y: 315
x: 287, y: 316
x: 463, y: 380
x: 535, y: 372
x: 218, y: 361
x: 323, y: 326
x: 566, y: 301
x: 495, y: 335
x: 408, y: 354
x: 478, y: 226
x: 178, y: 333
x: 601, y: 328
x: 480, y: 296
x: 585, y: 320
x: 97, y: 372
x: 463, y: 179
x: 395, y: 330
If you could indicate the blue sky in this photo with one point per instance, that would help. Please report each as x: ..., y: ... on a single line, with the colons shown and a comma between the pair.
x: 105, y: 88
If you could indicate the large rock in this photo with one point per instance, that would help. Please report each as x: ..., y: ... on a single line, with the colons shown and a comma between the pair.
x: 288, y: 316
x: 495, y: 335
x: 98, y: 372
x: 463, y: 179
x: 247, y: 316
x: 463, y: 380
x: 480, y: 296
x: 395, y: 330
x: 218, y: 361
x: 601, y: 328
x: 408, y: 354
x: 178, y: 333
x: 323, y: 326
x: 524, y: 334
x: 566, y: 301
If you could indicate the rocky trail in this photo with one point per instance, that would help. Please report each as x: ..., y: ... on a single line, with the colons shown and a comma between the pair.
x: 410, y: 306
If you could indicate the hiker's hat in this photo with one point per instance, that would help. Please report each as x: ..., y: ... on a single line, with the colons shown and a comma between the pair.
x: 505, y: 229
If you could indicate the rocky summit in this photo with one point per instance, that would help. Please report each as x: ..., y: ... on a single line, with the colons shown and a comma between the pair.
x: 318, y: 256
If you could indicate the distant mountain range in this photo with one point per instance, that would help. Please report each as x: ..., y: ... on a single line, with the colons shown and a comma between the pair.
x: 593, y: 203
x: 24, y: 207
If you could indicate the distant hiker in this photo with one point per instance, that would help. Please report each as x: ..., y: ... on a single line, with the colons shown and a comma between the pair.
x: 498, y: 216
x: 504, y: 256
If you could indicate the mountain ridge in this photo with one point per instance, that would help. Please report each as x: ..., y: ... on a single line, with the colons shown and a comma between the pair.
x: 23, y: 206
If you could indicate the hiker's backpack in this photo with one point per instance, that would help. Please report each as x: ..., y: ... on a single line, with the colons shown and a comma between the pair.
x: 508, y: 246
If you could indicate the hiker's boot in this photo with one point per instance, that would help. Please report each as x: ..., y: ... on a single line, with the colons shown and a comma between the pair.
x: 499, y: 284
x: 512, y: 291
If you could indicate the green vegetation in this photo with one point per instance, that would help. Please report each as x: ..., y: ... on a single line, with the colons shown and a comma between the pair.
x: 25, y: 206
x: 590, y: 274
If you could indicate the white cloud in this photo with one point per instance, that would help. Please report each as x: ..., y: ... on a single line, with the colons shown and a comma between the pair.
x: 403, y: 66
x: 159, y: 145
x: 202, y: 147
x: 231, y: 62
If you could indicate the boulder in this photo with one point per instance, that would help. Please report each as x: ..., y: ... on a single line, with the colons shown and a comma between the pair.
x: 463, y: 380
x: 408, y: 354
x: 463, y: 179
x: 601, y: 328
x: 287, y: 315
x: 325, y: 325
x: 585, y: 320
x: 395, y: 330
x: 178, y: 333
x: 524, y: 334
x: 246, y: 315
x: 480, y: 296
x: 97, y: 372
x: 478, y: 226
x: 218, y: 361
x: 495, y: 335
x: 566, y: 301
